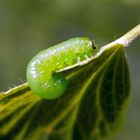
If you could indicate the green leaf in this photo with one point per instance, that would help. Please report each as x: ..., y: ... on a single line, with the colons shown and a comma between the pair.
x: 93, y: 107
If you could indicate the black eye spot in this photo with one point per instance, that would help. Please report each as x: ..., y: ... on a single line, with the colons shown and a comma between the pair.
x: 93, y: 44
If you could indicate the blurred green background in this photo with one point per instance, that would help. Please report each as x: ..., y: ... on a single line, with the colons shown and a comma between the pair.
x: 28, y: 26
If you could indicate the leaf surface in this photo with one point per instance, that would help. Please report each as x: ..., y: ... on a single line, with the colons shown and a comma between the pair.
x: 92, y: 108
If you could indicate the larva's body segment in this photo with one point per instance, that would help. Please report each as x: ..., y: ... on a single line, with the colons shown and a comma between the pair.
x: 42, y: 70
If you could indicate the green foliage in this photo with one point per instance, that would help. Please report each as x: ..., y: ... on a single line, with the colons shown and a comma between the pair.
x: 92, y: 108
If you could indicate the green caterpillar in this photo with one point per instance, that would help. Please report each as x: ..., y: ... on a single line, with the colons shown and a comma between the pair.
x: 43, y: 71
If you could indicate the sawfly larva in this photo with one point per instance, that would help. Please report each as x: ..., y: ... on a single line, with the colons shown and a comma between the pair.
x: 44, y: 70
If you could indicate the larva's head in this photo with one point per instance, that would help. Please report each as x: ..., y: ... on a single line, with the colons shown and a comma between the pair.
x: 88, y: 47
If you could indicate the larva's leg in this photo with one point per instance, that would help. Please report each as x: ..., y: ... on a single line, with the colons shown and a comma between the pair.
x: 87, y: 58
x: 78, y: 61
x: 85, y: 61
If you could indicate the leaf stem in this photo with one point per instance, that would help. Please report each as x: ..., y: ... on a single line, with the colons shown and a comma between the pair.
x: 17, y: 88
x: 125, y: 40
